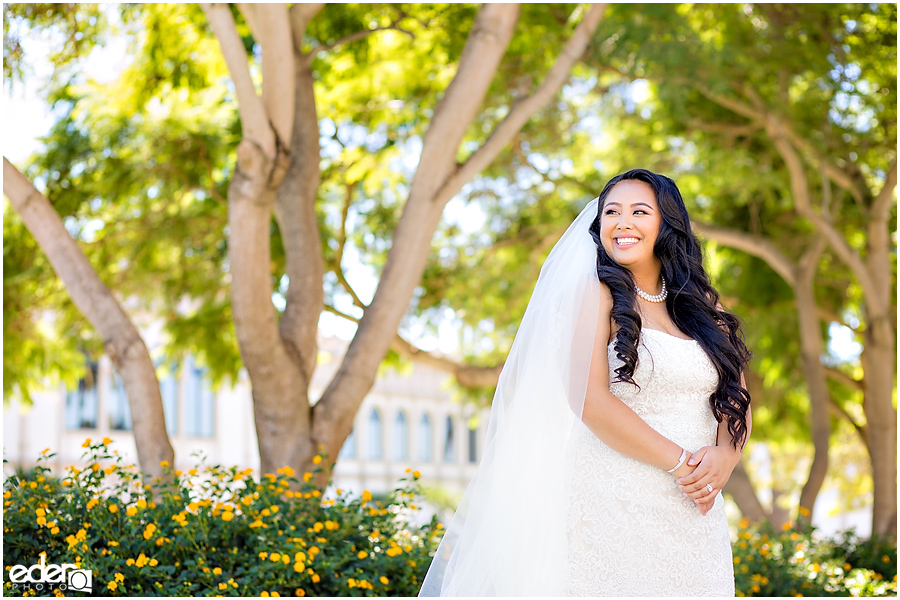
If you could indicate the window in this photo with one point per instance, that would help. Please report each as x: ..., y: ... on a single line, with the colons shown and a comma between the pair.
x: 199, y: 402
x: 425, y: 439
x: 473, y: 445
x: 117, y: 407
x: 375, y: 452
x: 81, y: 403
x: 401, y: 437
x: 449, y: 449
x: 348, y: 450
x: 168, y: 389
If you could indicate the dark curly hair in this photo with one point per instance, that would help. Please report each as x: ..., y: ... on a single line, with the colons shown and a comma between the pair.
x: 692, y: 303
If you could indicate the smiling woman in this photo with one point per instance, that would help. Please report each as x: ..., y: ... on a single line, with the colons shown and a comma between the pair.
x: 618, y: 418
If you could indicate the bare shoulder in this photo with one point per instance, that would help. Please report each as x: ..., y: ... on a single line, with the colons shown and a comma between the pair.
x: 606, y: 299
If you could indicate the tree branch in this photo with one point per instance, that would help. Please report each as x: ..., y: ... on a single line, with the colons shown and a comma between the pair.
x: 881, y: 207
x: 839, y: 375
x: 277, y: 68
x: 523, y: 109
x: 301, y: 13
x: 466, y: 375
x: 731, y: 129
x: 254, y: 121
x: 736, y: 106
x: 121, y: 340
x: 800, y: 192
x: 754, y: 245
x: 862, y: 430
x: 342, y: 240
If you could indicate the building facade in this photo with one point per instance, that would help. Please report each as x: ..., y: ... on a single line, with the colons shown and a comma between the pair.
x: 407, y: 421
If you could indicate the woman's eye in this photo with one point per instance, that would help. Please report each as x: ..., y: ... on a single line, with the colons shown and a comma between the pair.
x: 609, y: 211
x: 640, y: 210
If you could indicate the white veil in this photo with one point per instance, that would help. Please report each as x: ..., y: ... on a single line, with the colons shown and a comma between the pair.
x: 508, y: 537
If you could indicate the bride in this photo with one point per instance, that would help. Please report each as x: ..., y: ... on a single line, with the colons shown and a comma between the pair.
x: 619, y: 416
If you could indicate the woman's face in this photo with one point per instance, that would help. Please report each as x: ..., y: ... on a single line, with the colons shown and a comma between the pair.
x: 629, y: 224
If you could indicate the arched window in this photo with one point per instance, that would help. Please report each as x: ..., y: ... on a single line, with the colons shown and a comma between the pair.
x: 473, y: 445
x: 401, y: 437
x: 348, y: 450
x: 118, y: 408
x: 375, y: 435
x: 449, y: 449
x: 425, y: 439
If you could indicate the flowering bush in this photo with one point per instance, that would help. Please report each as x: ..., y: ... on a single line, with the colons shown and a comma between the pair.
x: 795, y: 562
x: 213, y: 532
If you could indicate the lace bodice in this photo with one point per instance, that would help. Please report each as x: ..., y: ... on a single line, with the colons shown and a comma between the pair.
x: 631, y: 530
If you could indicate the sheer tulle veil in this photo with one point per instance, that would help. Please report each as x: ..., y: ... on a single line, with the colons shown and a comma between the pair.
x: 508, y: 536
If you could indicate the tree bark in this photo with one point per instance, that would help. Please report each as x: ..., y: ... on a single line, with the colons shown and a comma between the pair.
x: 437, y: 179
x: 811, y: 350
x: 121, y: 340
x: 280, y: 406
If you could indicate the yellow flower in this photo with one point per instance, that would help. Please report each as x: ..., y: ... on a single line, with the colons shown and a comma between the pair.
x: 153, y: 562
x: 299, y: 567
x: 263, y: 555
x: 227, y: 516
x: 41, y: 521
x: 107, y: 441
x: 300, y: 592
x: 87, y: 443
x: 223, y: 586
x: 366, y: 495
x: 276, y: 595
x: 307, y: 476
x: 45, y: 450
x: 217, y: 571
x: 383, y: 580
x: 316, y: 578
x: 40, y: 512
x: 737, y: 559
x: 142, y: 504
x: 113, y: 508
x: 351, y: 583
x: 317, y: 459
x: 192, y: 472
x: 55, y: 530
x: 112, y: 585
x: 129, y: 562
x: 131, y: 511
x: 119, y: 577
x: 264, y: 594
x: 164, y: 463
x: 416, y: 474
x: 274, y: 509
x: 362, y: 554
x: 113, y: 543
x: 803, y: 511
x: 786, y: 526
x: 275, y: 556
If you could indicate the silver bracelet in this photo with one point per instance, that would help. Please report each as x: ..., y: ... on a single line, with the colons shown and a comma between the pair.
x: 680, y: 461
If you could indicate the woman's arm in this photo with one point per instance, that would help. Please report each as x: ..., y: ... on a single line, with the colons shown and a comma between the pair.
x: 611, y: 420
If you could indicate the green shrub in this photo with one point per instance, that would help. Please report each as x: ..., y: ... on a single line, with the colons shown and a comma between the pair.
x: 794, y: 561
x: 214, y: 531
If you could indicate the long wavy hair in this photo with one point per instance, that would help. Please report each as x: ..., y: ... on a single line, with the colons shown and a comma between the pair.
x: 692, y: 303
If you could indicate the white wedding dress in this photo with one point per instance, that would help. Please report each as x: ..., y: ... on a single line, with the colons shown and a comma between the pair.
x: 631, y: 531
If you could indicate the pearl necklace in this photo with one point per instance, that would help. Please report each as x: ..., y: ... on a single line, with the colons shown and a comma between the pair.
x: 660, y: 297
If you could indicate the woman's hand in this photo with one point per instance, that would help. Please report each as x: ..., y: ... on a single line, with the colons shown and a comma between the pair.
x: 713, y: 466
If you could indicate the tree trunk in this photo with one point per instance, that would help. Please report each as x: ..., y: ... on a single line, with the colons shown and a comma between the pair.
x: 811, y: 350
x: 121, y: 340
x: 879, y: 364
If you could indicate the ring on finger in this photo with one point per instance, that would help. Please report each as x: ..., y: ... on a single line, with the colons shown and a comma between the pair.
x: 709, y: 488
